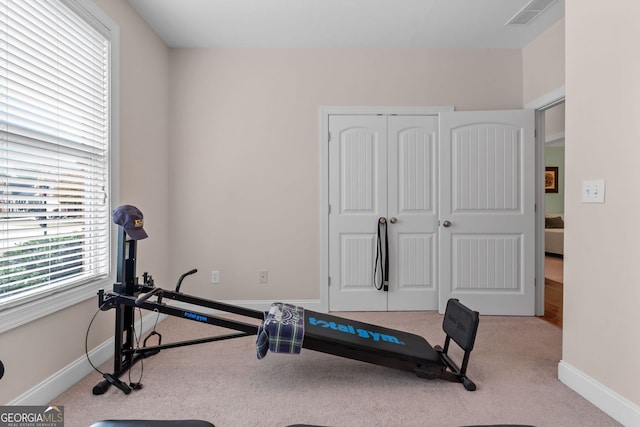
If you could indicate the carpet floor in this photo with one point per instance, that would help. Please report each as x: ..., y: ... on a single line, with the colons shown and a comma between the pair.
x: 514, y: 365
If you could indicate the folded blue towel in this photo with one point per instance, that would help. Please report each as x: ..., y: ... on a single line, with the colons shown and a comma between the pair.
x: 282, y: 330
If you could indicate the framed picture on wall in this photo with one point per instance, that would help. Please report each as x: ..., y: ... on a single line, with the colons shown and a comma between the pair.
x: 551, y: 179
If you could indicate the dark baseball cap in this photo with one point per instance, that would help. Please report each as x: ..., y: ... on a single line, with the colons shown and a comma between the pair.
x: 130, y: 218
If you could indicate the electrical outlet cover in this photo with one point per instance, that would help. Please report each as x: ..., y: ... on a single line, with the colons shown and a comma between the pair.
x: 215, y: 277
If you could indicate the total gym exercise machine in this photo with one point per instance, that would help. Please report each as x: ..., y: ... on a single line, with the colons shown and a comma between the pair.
x: 322, y: 332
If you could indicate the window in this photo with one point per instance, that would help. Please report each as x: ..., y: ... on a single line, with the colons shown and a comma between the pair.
x: 54, y: 148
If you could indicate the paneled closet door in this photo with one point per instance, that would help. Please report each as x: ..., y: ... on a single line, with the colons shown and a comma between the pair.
x: 487, y: 211
x: 382, y: 167
x: 412, y: 212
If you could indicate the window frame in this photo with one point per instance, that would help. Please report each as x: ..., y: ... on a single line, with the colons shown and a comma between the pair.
x: 29, y: 308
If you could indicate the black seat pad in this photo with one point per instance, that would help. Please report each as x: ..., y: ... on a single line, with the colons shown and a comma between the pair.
x: 152, y: 423
x: 370, y: 338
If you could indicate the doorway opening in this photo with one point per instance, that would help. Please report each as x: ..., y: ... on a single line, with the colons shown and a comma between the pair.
x: 554, y: 167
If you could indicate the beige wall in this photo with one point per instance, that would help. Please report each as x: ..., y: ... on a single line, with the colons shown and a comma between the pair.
x: 144, y: 133
x: 37, y: 350
x: 44, y: 347
x: 602, y: 291
x: 554, y: 123
x: 245, y: 150
x: 543, y: 63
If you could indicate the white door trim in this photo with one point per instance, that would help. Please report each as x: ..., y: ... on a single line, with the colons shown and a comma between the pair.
x: 547, y: 100
x: 540, y: 105
x: 325, y: 112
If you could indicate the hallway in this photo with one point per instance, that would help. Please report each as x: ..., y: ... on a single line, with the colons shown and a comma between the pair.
x: 553, y: 294
x: 553, y: 268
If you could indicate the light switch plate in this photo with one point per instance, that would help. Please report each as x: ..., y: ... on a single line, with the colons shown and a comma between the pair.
x: 593, y: 191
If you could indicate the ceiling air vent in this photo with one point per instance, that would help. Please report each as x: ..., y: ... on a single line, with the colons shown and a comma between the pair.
x: 529, y: 12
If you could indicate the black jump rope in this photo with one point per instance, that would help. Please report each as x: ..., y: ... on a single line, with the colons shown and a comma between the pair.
x: 382, y: 258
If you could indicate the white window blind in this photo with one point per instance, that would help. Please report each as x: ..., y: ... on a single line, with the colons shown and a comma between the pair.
x: 54, y: 147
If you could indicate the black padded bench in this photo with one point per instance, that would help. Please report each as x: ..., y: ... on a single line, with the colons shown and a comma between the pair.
x: 152, y: 423
x: 337, y: 335
x: 397, y: 349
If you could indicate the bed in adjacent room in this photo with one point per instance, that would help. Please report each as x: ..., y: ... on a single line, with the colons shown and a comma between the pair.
x: 554, y: 234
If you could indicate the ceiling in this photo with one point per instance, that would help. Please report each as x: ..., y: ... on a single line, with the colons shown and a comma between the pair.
x: 345, y: 23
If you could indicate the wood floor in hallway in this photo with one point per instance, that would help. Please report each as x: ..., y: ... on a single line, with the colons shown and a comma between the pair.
x: 553, y: 295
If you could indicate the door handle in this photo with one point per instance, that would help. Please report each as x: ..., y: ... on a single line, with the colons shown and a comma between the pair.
x: 446, y: 224
x: 393, y: 220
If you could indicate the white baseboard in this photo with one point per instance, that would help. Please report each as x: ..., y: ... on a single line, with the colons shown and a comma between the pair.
x: 56, y: 384
x: 617, y: 407
x: 50, y: 388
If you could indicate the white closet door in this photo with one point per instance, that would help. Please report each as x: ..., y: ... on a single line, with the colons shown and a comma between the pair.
x: 383, y: 167
x: 357, y: 199
x: 412, y: 212
x: 487, y: 211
